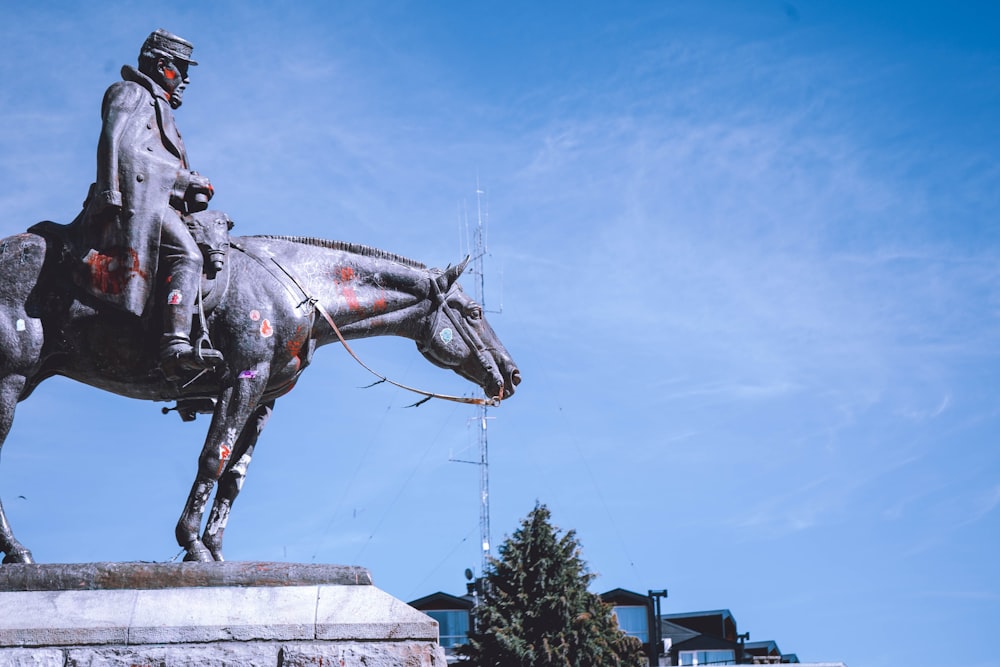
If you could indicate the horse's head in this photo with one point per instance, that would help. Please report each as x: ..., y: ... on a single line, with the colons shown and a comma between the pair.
x: 457, y: 336
x: 210, y: 230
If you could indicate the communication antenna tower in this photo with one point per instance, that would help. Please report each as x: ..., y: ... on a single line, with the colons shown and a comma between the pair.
x: 478, y: 251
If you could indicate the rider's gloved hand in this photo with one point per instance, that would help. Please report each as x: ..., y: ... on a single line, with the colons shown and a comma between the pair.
x: 191, y: 192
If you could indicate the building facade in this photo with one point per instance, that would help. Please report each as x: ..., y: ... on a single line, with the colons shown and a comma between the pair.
x: 687, y: 639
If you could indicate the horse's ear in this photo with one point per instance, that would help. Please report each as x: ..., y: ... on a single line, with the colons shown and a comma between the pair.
x: 452, y: 273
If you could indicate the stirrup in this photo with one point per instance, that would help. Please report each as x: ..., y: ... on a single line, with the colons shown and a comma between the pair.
x: 205, y: 354
x: 182, y: 358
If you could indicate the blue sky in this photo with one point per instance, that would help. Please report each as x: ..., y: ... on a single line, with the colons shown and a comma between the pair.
x: 748, y: 256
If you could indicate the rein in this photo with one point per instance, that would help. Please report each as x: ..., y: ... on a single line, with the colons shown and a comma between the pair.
x: 315, y: 303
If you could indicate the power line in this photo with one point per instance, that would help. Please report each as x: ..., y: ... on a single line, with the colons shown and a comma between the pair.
x: 406, y: 482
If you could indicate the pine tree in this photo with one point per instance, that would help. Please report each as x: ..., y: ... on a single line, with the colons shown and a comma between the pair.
x: 535, y: 609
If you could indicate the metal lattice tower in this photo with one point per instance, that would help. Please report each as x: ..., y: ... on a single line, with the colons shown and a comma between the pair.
x: 477, y: 249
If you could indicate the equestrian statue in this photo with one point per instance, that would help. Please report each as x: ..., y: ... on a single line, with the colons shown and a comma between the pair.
x: 146, y: 295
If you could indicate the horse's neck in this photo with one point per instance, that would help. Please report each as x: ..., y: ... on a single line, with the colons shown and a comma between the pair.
x: 365, y: 295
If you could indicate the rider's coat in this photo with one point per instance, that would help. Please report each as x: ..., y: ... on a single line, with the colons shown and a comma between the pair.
x: 140, y: 159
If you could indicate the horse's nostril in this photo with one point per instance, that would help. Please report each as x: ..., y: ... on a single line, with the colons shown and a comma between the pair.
x: 515, y: 377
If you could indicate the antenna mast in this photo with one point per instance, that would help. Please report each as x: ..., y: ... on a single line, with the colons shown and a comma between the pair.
x: 479, y: 252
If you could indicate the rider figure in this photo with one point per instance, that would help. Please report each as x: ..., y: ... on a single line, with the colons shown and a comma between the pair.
x: 134, y: 229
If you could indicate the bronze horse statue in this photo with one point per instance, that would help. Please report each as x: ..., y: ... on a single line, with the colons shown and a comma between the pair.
x: 263, y: 315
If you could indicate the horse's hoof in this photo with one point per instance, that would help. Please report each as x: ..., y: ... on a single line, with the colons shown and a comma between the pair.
x: 214, y: 545
x: 215, y: 550
x: 18, y: 556
x: 197, y: 553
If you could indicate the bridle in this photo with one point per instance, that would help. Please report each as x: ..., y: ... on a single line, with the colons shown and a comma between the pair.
x: 470, y: 337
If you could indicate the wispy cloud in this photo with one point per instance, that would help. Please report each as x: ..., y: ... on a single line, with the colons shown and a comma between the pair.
x: 982, y: 505
x: 922, y: 415
x: 738, y: 391
x: 795, y: 509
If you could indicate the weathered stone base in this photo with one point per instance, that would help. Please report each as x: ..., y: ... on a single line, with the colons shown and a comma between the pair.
x: 233, y: 654
x: 218, y: 614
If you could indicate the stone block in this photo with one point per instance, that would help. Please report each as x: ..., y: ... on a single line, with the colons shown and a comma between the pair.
x: 136, y: 615
x: 178, y: 615
x: 64, y: 618
x: 226, y: 654
x: 367, y: 613
x: 389, y: 654
x: 145, y: 576
x: 31, y: 657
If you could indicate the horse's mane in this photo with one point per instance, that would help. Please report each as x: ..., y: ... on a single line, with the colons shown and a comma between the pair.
x: 356, y: 248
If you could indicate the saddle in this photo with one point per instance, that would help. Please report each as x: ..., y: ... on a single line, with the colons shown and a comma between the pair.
x: 210, y: 230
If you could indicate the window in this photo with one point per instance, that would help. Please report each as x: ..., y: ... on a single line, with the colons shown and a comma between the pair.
x: 633, y: 621
x: 717, y: 657
x: 454, y: 626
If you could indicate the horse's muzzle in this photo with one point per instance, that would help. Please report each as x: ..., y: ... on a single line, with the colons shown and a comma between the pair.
x: 505, y: 388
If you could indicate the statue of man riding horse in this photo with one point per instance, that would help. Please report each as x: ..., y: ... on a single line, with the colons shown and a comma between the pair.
x: 84, y: 300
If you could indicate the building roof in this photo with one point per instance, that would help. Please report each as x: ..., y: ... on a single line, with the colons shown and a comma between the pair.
x: 724, y: 613
x: 439, y: 600
x: 621, y: 596
x: 715, y: 623
x: 675, y: 633
x: 767, y: 647
x: 705, y: 643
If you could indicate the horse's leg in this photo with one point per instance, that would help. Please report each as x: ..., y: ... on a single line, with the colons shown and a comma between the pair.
x: 235, y: 405
x: 232, y: 479
x: 10, y: 391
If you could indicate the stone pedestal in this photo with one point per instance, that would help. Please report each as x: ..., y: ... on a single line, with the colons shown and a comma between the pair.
x: 207, y: 614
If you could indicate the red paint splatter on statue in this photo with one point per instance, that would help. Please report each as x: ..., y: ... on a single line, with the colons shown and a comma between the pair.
x: 351, y: 297
x: 380, y: 304
x: 174, y: 298
x: 266, y: 330
x: 224, y: 452
x: 109, y: 273
x: 254, y: 315
x: 346, y: 274
x: 294, y: 346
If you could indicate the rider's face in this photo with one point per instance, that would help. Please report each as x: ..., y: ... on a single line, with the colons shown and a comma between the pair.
x: 173, y: 78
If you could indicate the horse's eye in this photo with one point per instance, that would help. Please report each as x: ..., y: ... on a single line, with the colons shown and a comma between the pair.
x: 476, y: 313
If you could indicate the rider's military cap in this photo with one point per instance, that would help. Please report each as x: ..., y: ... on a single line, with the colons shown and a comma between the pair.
x: 164, y: 42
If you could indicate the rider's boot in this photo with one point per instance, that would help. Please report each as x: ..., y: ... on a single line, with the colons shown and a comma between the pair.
x: 177, y: 356
x: 180, y: 260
